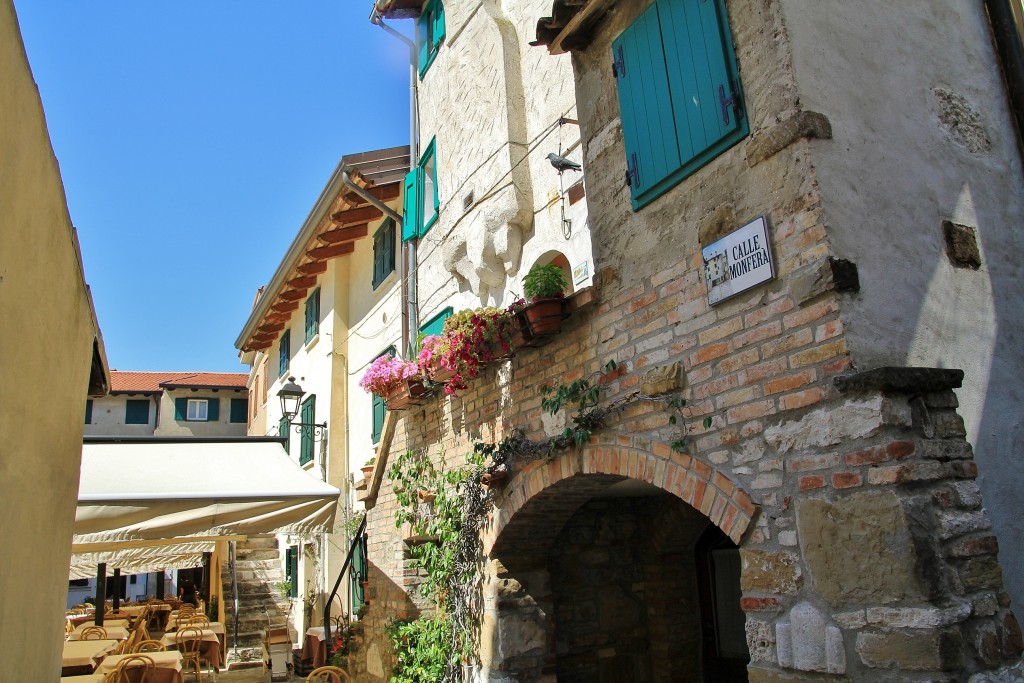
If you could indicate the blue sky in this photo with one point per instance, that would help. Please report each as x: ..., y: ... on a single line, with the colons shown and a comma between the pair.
x: 193, y: 138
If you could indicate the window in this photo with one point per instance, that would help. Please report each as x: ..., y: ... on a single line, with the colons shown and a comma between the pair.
x: 313, y: 315
x: 679, y: 93
x: 436, y: 324
x: 284, y: 429
x: 359, y: 574
x: 284, y: 353
x: 383, y: 252
x: 308, y: 413
x: 291, y: 570
x: 379, y: 406
x: 136, y: 411
x: 197, y: 409
x: 421, y: 198
x: 429, y: 33
x: 239, y: 410
x: 88, y: 411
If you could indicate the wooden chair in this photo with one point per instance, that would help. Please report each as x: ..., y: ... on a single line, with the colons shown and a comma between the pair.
x: 93, y: 633
x: 328, y: 674
x: 190, y: 643
x: 128, y: 669
x: 200, y: 620
x: 148, y: 646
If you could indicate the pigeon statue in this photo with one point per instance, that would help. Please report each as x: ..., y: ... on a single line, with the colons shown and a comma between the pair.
x: 563, y: 164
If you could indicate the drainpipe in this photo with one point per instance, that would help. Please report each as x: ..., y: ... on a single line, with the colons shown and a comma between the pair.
x: 1011, y: 56
x: 410, y: 319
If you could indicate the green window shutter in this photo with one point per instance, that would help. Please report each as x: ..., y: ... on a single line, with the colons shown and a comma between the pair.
x: 88, y: 411
x: 181, y: 409
x: 136, y: 411
x: 648, y: 126
x: 436, y: 324
x: 284, y: 429
x: 291, y: 570
x: 308, y: 416
x: 383, y: 252
x: 423, y: 37
x: 239, y: 410
x: 357, y: 575
x: 438, y: 25
x: 284, y: 353
x: 413, y: 216
x: 379, y: 410
x: 212, y: 409
x: 702, y: 74
x: 429, y: 200
x: 312, y: 315
x: 679, y: 93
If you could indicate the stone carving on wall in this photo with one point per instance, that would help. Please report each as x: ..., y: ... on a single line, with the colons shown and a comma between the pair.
x: 808, y: 643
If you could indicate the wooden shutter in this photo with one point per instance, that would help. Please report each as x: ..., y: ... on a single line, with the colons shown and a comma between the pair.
x: 313, y: 314
x: 383, y: 252
x: 181, y: 409
x: 423, y: 37
x: 436, y: 324
x: 212, y: 409
x: 702, y: 79
x: 136, y: 411
x: 284, y: 429
x: 358, y: 573
x: 292, y: 570
x: 437, y: 17
x: 379, y: 410
x: 88, y: 411
x: 413, y: 204
x: 648, y: 126
x: 283, y: 353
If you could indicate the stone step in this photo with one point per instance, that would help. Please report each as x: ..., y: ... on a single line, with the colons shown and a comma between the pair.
x: 242, y: 555
x: 261, y: 541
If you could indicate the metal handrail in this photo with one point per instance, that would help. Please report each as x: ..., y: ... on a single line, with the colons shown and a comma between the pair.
x: 357, y: 540
x: 234, y: 586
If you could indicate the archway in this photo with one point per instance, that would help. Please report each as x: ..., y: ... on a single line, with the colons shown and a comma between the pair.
x: 614, y: 564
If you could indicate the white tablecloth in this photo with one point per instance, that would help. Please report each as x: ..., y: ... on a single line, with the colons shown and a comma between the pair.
x: 162, y: 660
x: 86, y: 652
x: 113, y: 632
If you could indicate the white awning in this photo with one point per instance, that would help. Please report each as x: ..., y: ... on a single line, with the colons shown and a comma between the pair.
x: 142, y: 560
x: 133, y: 492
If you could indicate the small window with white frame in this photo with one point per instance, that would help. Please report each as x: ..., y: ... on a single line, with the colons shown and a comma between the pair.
x: 197, y: 410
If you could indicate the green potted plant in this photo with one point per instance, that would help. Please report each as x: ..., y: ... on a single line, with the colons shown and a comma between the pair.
x: 545, y: 287
x: 471, y: 339
x: 368, y: 467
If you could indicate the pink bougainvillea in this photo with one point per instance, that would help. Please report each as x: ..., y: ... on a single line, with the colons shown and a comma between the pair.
x: 386, y: 373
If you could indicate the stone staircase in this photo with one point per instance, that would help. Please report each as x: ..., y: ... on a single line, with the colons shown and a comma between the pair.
x: 258, y: 569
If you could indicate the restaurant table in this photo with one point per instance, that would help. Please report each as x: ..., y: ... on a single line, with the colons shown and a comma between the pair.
x: 107, y: 623
x: 85, y: 678
x: 172, y: 624
x: 212, y: 647
x: 78, y: 619
x: 314, y: 647
x: 82, y: 656
x: 113, y: 632
x: 167, y: 666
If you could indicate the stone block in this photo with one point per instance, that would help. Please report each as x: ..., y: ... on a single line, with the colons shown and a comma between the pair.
x: 980, y: 573
x: 913, y: 651
x: 769, y: 572
x: 804, y: 124
x: 828, y: 426
x: 757, y: 675
x: 664, y: 380
x: 858, y: 550
x: 760, y: 641
x: 961, y: 245
x: 809, y: 643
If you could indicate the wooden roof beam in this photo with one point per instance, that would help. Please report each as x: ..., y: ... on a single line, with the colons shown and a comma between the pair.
x: 356, y: 216
x: 285, y: 306
x: 293, y: 294
x: 303, y: 282
x: 332, y: 251
x: 312, y: 268
x: 349, y: 234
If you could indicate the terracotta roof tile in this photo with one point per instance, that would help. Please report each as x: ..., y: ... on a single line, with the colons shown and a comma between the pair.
x: 155, y: 382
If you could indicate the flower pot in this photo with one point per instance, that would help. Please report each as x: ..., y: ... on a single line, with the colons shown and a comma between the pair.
x: 522, y: 337
x: 406, y: 395
x: 426, y: 496
x: 544, y: 317
x: 439, y: 373
x: 367, y: 471
x: 492, y: 479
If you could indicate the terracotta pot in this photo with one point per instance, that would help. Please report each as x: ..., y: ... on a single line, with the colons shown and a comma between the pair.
x: 426, y: 496
x: 438, y: 373
x: 407, y: 394
x: 522, y: 337
x: 491, y: 479
x: 367, y: 471
x: 544, y: 317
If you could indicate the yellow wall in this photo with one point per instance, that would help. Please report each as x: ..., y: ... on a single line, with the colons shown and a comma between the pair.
x: 47, y: 331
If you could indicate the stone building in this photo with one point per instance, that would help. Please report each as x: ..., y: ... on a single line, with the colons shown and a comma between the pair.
x: 800, y: 220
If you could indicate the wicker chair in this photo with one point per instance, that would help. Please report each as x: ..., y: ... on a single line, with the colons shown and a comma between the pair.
x: 133, y: 669
x: 327, y: 674
x: 148, y: 646
x: 93, y: 633
x: 189, y: 641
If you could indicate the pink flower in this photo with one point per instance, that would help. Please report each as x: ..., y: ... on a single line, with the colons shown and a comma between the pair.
x: 386, y: 373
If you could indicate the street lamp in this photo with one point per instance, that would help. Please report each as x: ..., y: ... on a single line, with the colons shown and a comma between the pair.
x: 291, y: 397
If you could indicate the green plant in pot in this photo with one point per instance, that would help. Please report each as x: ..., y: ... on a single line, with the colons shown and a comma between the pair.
x: 545, y: 287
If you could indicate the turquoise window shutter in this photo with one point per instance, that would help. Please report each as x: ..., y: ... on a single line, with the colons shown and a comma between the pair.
x: 413, y: 217
x: 88, y: 411
x: 701, y: 77
x: 180, y: 409
x: 136, y: 411
x: 292, y: 570
x: 438, y: 25
x: 212, y: 409
x: 284, y: 353
x: 379, y: 410
x: 423, y: 38
x: 383, y: 252
x: 239, y: 410
x: 357, y: 575
x: 436, y: 324
x: 679, y: 93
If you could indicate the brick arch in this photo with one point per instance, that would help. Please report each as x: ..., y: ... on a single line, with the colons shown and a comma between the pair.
x: 697, y: 483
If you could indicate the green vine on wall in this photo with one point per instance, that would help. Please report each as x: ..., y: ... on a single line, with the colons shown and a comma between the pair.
x: 434, y: 646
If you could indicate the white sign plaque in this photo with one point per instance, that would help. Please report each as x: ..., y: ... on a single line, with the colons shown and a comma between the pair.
x: 740, y: 260
x: 580, y: 273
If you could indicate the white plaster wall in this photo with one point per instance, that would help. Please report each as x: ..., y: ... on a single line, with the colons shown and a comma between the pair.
x: 108, y: 416
x: 493, y: 103
x: 168, y: 426
x: 888, y: 179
